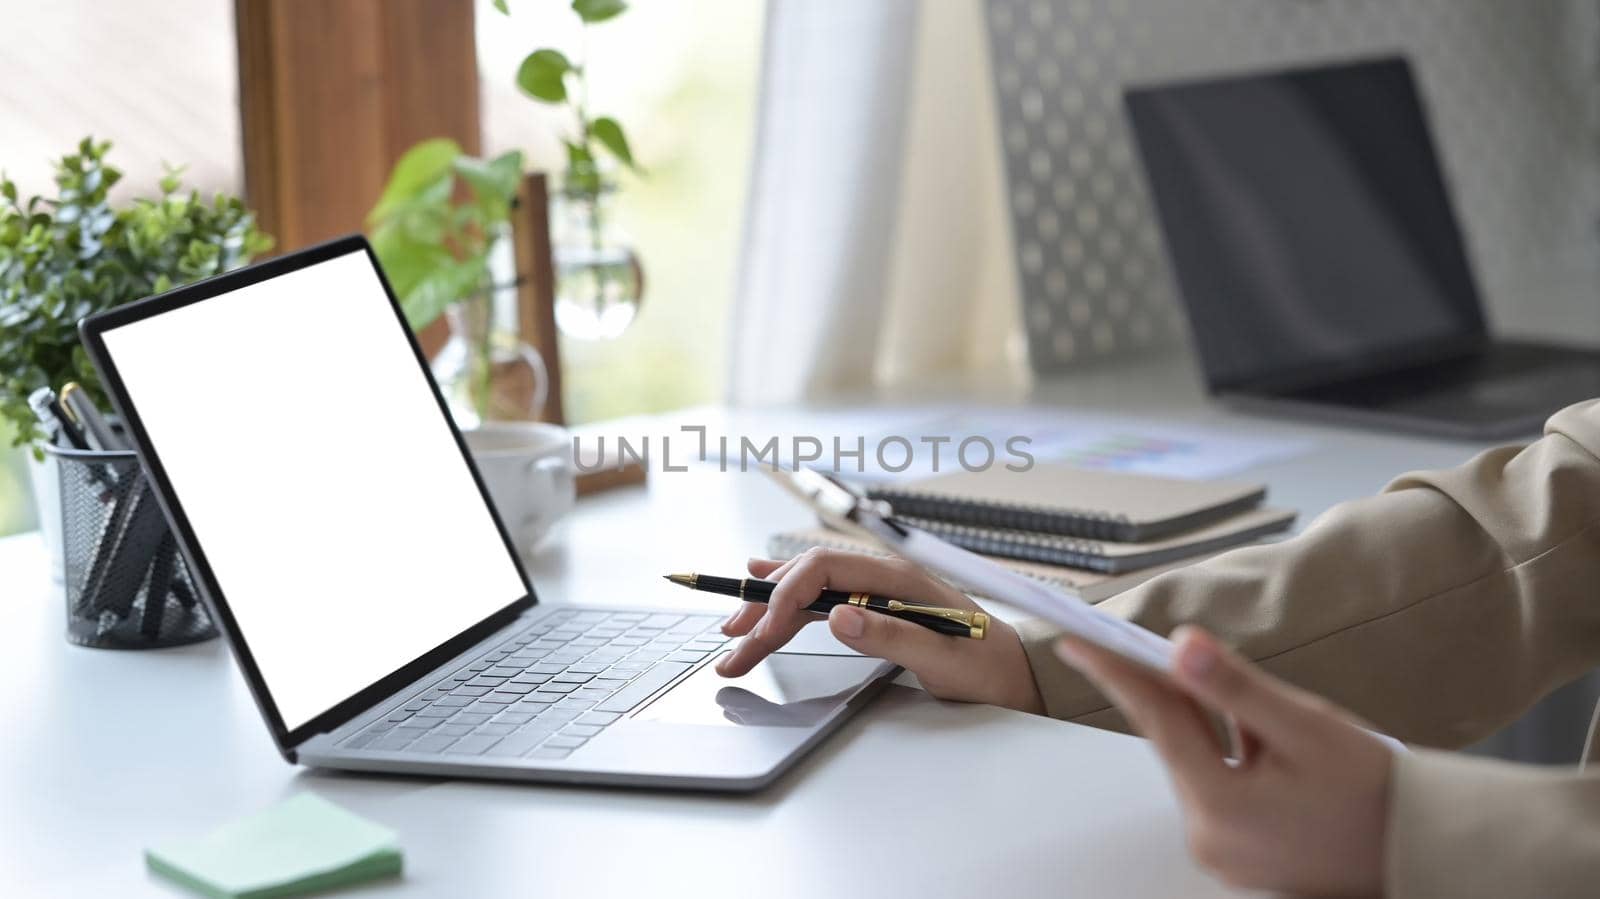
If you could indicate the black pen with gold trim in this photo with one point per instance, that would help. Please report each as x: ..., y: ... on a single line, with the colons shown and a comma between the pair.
x: 955, y: 622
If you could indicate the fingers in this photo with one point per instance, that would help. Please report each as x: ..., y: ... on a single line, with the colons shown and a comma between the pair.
x: 911, y: 646
x: 1263, y: 705
x: 802, y: 578
x: 872, y: 574
x: 1157, y: 709
x: 775, y: 623
x: 771, y: 569
x: 763, y: 640
x: 773, y: 628
x: 764, y: 567
x: 743, y: 619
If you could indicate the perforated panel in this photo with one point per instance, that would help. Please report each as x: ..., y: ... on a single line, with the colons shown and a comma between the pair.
x: 1511, y: 89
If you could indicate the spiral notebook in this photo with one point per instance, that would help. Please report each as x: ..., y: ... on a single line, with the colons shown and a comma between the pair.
x: 1105, y: 556
x: 1092, y: 586
x: 1071, y: 502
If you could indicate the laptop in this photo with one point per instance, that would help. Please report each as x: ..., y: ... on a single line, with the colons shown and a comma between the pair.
x: 344, y: 542
x: 1319, y: 260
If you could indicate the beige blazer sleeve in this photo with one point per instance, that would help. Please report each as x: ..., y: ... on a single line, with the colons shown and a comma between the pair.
x: 1469, y: 828
x: 1438, y: 610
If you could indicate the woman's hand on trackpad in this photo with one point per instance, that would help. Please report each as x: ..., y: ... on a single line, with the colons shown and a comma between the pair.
x: 993, y: 670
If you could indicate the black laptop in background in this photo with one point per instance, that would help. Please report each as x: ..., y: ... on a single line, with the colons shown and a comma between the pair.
x: 1320, y: 262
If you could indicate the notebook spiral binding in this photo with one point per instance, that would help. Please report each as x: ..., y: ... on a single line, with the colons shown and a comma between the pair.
x: 1032, y: 547
x: 1082, y: 523
x: 787, y: 546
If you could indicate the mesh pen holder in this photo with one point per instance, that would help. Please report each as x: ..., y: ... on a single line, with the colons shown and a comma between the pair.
x: 127, y: 586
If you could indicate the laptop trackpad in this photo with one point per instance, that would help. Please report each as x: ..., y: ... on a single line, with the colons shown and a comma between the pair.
x: 786, y: 690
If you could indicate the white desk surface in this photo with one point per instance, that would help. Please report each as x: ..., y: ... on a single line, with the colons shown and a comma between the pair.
x: 104, y: 752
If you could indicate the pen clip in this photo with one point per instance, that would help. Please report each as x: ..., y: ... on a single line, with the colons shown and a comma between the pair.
x: 963, y: 616
x: 977, y: 623
x: 68, y: 389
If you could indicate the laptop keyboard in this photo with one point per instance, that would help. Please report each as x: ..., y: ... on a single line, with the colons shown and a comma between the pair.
x: 549, y: 689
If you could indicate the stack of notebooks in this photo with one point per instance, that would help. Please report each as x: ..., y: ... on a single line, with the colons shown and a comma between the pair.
x: 1095, y: 532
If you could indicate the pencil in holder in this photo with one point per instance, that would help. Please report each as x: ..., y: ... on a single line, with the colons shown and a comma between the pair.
x: 127, y: 586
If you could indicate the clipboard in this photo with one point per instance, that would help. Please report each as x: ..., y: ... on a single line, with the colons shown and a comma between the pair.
x: 841, y: 506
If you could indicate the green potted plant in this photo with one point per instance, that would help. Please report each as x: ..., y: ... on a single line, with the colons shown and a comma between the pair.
x: 67, y: 256
x: 435, y: 229
x: 599, y: 280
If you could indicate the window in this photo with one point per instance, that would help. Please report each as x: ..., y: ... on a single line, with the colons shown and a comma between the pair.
x: 681, y: 77
x: 680, y: 74
x: 159, y: 80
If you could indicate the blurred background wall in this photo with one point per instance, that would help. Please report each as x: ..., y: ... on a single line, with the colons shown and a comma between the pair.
x: 1511, y: 90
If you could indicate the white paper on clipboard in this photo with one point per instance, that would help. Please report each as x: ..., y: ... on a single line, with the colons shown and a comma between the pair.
x: 842, y: 507
x: 1068, y: 612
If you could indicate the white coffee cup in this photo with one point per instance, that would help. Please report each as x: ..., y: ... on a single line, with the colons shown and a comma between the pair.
x: 529, y: 471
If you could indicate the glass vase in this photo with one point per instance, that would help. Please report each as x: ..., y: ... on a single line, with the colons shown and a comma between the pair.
x: 485, y: 370
x: 599, y: 281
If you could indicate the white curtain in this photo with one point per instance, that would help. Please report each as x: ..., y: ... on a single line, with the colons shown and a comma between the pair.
x: 875, y: 246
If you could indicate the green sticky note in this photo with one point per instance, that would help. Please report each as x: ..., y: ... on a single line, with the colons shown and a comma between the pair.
x: 301, y: 845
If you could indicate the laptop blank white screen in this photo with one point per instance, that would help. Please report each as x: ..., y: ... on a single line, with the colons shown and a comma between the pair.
x: 319, y: 477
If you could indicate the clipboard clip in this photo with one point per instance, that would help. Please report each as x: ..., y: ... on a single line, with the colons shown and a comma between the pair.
x: 838, y: 504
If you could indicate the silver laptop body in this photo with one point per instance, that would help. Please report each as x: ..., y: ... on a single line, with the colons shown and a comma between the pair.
x: 679, y: 724
x: 370, y: 594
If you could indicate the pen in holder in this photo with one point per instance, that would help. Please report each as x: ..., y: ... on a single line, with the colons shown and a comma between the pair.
x: 127, y: 585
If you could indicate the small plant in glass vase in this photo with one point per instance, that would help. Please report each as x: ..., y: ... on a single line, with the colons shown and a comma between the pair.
x: 437, y: 229
x: 599, y: 280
